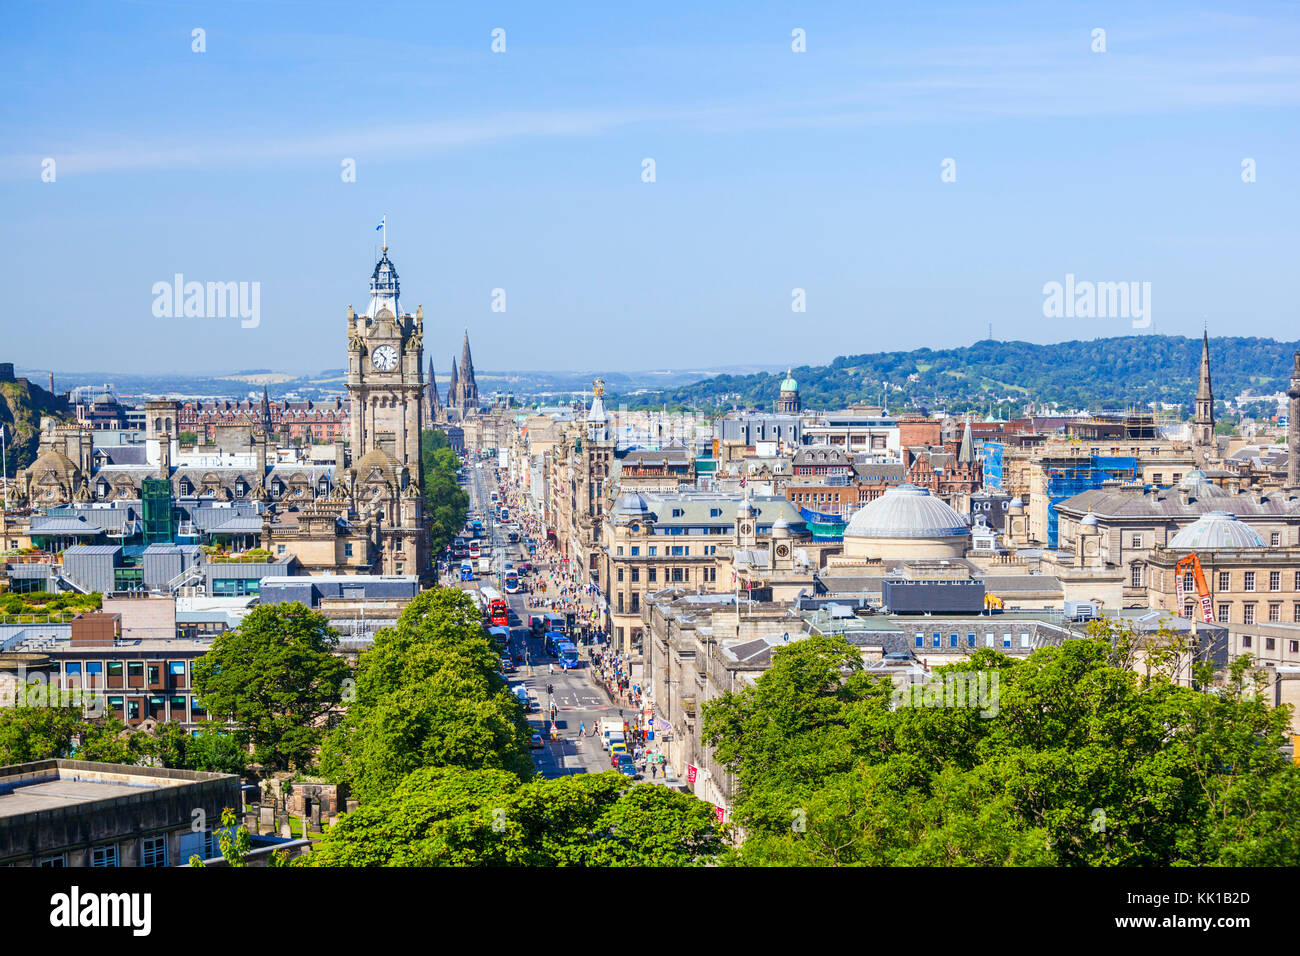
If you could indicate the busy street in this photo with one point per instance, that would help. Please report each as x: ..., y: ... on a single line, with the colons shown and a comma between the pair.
x: 584, y: 716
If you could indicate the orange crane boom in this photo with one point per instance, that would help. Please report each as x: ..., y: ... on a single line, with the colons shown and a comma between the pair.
x: 1193, y: 563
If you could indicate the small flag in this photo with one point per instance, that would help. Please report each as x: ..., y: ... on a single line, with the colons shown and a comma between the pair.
x: 381, y: 223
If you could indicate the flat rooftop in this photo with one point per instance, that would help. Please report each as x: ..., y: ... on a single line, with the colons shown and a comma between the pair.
x: 52, y: 794
x: 46, y: 786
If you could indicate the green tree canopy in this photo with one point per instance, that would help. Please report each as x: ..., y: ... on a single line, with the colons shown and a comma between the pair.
x: 1080, y: 762
x: 277, y: 678
x: 450, y: 816
x: 429, y: 693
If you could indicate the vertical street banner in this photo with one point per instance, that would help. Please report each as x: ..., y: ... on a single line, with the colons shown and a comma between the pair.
x: 690, y: 774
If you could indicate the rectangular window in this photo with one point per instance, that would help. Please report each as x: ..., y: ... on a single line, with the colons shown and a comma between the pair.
x: 654, y: 550
x: 1248, y: 614
x: 1135, y: 577
x: 153, y: 851
x: 114, y: 668
x: 176, y: 668
x: 1006, y: 640
x: 153, y: 673
x: 1249, y: 584
x: 1270, y: 644
x: 937, y: 639
x: 1225, y: 581
x: 1223, y: 613
x: 1136, y: 542
x: 1189, y: 581
x: 1024, y: 640
x: 1275, y: 580
x: 636, y: 575
x: 970, y: 640
x: 920, y: 639
x: 51, y: 862
x: 1275, y: 539
x: 1245, y: 640
x: 1294, y: 647
x: 1295, y: 613
x: 619, y: 574
x: 636, y: 550
x: 347, y: 550
x: 952, y: 640
x: 988, y: 638
x: 652, y: 574
x: 636, y: 602
x: 1274, y: 613
x: 104, y: 856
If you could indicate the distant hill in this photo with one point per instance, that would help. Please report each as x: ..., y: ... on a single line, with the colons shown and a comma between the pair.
x: 22, y: 405
x: 1000, y: 376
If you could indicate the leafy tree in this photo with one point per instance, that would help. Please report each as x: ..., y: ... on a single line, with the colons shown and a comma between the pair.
x: 211, y: 748
x: 456, y: 817
x: 1081, y: 762
x: 445, y: 501
x: 428, y: 693
x: 276, y: 677
x: 37, y: 733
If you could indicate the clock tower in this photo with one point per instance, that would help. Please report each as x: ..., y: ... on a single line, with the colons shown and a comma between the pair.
x: 385, y: 381
x: 384, y: 476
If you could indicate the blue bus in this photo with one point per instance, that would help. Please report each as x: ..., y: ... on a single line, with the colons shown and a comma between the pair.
x: 466, y: 571
x: 551, y: 642
x: 501, y: 635
x: 568, y: 654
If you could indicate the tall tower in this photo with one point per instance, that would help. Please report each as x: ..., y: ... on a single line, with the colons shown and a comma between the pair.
x: 433, y: 406
x: 453, y: 388
x: 1293, y: 428
x: 1203, y: 423
x: 385, y: 354
x: 468, y: 387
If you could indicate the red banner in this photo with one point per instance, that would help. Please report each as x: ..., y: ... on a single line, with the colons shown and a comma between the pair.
x: 690, y: 774
x: 720, y: 813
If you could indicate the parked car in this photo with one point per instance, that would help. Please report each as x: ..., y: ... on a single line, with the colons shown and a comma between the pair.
x: 625, y: 766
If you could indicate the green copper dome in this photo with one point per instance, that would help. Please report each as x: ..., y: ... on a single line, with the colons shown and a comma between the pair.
x: 789, y: 385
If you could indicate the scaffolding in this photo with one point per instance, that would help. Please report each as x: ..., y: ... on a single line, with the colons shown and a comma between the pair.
x: 1067, y: 480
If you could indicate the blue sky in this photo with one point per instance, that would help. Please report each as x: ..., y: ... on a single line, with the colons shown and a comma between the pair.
x: 521, y: 170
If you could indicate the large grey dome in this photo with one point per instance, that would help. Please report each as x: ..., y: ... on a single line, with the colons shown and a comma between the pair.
x: 1198, y: 485
x: 1217, y: 529
x: 631, y: 505
x: 906, y: 511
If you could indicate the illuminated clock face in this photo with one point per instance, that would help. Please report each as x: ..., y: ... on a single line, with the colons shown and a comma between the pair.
x: 385, y: 358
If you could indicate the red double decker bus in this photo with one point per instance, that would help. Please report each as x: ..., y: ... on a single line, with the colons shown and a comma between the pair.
x: 497, y: 609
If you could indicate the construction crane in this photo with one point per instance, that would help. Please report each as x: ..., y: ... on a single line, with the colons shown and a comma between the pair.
x: 1192, y: 563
